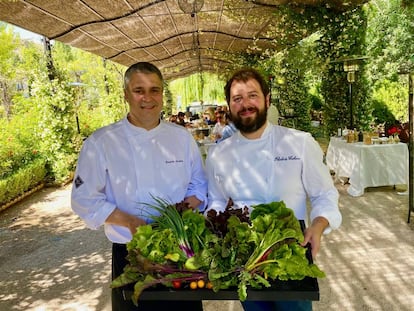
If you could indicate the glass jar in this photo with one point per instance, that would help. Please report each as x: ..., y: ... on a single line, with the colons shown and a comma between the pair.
x: 367, y: 138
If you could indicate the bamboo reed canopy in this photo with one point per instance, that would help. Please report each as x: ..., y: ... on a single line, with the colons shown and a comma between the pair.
x: 181, y: 37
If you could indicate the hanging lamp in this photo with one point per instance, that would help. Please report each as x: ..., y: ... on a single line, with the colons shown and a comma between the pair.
x: 191, y: 6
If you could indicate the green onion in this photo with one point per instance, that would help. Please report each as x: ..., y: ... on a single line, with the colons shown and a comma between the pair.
x: 170, y: 218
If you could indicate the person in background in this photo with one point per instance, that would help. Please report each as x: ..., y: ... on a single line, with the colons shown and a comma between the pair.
x: 206, y: 117
x: 173, y: 118
x: 263, y: 163
x: 180, y: 118
x: 122, y: 167
x: 228, y: 130
x: 188, y: 117
x: 220, y: 124
x: 195, y: 116
x: 209, y: 116
x: 405, y: 133
x: 218, y: 109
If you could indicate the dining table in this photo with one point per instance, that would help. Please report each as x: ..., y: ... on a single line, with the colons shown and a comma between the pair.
x: 368, y: 165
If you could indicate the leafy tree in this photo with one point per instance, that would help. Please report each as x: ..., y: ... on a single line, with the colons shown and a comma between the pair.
x: 43, y: 113
x: 393, y: 95
x: 8, y: 58
x: 389, y: 44
x: 290, y: 88
x: 193, y: 88
x: 382, y: 113
x: 168, y: 100
x: 97, y: 87
x: 57, y: 137
x: 389, y: 38
x: 342, y: 39
x: 19, y: 62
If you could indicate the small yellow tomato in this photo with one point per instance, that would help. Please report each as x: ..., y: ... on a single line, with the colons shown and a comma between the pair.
x: 201, y: 283
x: 193, y: 285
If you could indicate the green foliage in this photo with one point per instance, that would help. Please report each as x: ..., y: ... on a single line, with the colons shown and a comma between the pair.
x: 8, y: 59
x: 344, y: 39
x: 24, y: 178
x: 57, y: 138
x: 92, y: 118
x: 316, y: 102
x: 336, y: 109
x: 18, y: 148
x: 97, y: 108
x: 96, y: 87
x: 381, y: 113
x: 389, y: 38
x: 393, y: 95
x: 168, y: 104
x: 389, y: 44
x: 43, y: 122
x: 8, y: 56
x: 193, y: 88
x: 292, y: 92
x: 305, y: 63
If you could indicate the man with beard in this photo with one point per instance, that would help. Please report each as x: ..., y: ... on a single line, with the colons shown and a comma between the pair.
x: 263, y: 163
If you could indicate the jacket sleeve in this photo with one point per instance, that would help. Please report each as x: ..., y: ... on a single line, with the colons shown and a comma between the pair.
x: 198, y: 182
x: 89, y: 199
x: 319, y: 185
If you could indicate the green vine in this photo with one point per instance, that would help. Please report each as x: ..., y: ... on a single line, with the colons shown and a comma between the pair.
x: 340, y: 40
x: 59, y: 141
x: 309, y: 40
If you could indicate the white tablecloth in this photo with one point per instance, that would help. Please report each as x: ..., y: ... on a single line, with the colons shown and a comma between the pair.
x: 368, y: 165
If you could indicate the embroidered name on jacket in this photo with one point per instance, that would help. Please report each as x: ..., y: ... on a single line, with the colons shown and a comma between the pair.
x: 174, y: 161
x: 287, y: 158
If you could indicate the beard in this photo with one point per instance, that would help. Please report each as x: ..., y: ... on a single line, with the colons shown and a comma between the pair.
x: 250, y: 124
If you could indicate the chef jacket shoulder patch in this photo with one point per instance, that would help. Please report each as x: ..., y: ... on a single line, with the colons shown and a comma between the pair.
x: 78, y: 181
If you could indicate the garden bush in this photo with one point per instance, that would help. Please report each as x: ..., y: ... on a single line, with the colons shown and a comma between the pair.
x: 19, y: 147
x: 24, y: 179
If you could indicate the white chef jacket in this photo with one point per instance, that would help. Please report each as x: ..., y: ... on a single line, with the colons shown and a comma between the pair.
x: 124, y: 166
x: 284, y: 164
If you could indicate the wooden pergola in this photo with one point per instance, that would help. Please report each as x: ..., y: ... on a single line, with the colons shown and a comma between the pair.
x: 181, y: 37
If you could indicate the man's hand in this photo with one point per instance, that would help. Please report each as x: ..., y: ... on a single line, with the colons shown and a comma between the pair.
x: 192, y: 201
x: 121, y: 218
x: 313, y: 234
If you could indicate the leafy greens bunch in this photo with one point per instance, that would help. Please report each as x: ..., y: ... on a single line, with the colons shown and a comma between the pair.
x: 240, y: 252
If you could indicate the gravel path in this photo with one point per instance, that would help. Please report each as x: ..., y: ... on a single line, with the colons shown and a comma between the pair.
x: 50, y: 261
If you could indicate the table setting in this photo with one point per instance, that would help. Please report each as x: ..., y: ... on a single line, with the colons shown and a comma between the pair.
x: 373, y: 162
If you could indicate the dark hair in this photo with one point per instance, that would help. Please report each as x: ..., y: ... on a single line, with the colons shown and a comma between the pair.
x: 245, y: 75
x: 143, y: 67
